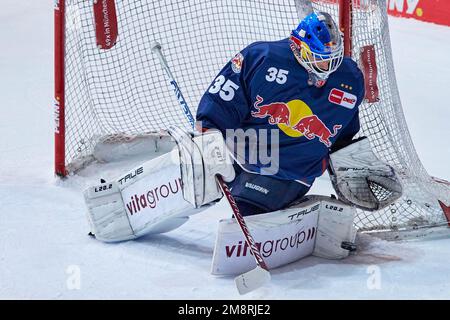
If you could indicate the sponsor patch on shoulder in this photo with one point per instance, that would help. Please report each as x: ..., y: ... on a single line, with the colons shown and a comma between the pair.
x: 236, y: 63
x: 342, y: 98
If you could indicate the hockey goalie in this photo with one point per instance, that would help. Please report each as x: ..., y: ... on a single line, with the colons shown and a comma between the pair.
x: 276, y: 117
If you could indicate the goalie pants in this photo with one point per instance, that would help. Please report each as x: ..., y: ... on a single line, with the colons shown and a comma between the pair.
x: 256, y: 194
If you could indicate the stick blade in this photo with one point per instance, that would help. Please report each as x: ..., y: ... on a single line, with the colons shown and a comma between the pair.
x: 252, y: 280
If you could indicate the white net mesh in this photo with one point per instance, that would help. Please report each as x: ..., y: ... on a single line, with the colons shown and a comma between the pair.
x: 123, y: 91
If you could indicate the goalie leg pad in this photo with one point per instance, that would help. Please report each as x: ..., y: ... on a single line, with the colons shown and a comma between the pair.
x: 161, y: 194
x: 146, y: 200
x: 317, y: 226
x: 106, y: 213
x: 334, y: 228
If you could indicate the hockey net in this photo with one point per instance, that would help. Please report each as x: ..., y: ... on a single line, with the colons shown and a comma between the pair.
x: 120, y: 93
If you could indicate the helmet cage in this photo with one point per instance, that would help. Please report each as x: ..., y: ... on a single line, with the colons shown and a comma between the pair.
x: 318, y: 52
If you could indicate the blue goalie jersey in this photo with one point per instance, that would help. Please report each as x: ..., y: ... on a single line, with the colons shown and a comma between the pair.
x: 264, y: 90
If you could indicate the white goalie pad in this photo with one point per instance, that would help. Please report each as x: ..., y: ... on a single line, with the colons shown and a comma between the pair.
x: 161, y: 194
x: 317, y: 226
x: 148, y: 199
x: 361, y: 179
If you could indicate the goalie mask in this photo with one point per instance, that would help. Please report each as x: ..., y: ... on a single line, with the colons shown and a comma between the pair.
x: 317, y: 45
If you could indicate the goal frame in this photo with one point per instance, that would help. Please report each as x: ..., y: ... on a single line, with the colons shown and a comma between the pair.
x: 59, y: 75
x: 59, y: 103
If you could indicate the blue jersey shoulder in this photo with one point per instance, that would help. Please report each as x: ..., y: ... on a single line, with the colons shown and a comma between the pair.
x: 267, y: 48
x: 349, y: 73
x: 261, y: 52
x: 350, y: 68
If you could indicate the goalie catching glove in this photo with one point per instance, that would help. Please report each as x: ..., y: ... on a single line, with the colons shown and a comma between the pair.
x: 361, y: 179
x: 162, y: 193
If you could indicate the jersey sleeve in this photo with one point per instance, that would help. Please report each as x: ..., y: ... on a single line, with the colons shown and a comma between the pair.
x: 346, y: 135
x: 353, y: 127
x: 226, y: 102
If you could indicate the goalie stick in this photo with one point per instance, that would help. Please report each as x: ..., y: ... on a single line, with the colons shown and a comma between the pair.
x: 254, y: 278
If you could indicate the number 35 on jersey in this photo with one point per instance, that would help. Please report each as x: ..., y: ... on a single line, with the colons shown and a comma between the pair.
x: 225, y: 88
x: 277, y: 75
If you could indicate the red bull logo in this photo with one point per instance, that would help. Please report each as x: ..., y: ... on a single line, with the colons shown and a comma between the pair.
x: 278, y: 112
x: 312, y: 127
x: 236, y: 63
x: 295, y: 118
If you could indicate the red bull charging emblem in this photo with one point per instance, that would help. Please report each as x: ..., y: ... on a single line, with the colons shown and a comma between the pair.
x: 236, y: 63
x: 296, y: 119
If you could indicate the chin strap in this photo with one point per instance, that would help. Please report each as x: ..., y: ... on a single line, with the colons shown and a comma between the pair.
x: 314, y: 80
